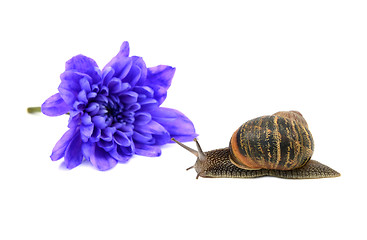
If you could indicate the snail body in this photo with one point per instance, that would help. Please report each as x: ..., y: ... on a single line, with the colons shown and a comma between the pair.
x: 278, y: 145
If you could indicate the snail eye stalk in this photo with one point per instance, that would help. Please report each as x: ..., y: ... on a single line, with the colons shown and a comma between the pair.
x: 202, y: 156
x: 199, y: 153
x: 186, y: 147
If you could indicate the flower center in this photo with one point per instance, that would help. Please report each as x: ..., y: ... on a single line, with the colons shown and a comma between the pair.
x: 114, y: 110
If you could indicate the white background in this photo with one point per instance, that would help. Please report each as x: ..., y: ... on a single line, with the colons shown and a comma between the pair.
x: 235, y: 60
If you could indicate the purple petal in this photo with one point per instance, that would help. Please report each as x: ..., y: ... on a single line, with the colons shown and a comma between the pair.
x: 122, y: 154
x: 129, y: 97
x: 82, y: 96
x: 83, y: 64
x: 96, y: 135
x: 69, y: 91
x: 148, y: 105
x: 159, y: 78
x: 85, y: 85
x: 101, y: 159
x: 87, y: 149
x: 107, y: 74
x: 142, y: 118
x: 139, y: 62
x: 80, y: 63
x: 75, y: 78
x: 124, y: 49
x: 106, y: 145
x: 73, y: 154
x: 79, y: 106
x: 59, y: 150
x: 132, y: 107
x: 86, y: 119
x: 176, y: 123
x: 121, y: 63
x: 107, y: 133
x: 147, y: 150
x: 86, y: 131
x: 117, y: 86
x: 144, y: 138
x: 134, y: 75
x: 55, y: 106
x: 92, y: 108
x: 121, y: 139
x: 160, y: 134
x: 74, y: 119
x: 104, y: 91
x: 152, y: 127
x: 99, y: 122
x: 162, y: 139
x: 144, y: 90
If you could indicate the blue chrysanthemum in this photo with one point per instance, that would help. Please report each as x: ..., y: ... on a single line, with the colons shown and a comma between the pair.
x: 114, y: 113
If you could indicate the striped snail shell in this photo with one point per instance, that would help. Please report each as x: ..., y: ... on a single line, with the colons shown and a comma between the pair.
x: 279, y: 145
x: 281, y: 141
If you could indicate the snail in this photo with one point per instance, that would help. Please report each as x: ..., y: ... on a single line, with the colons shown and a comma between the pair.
x: 278, y: 145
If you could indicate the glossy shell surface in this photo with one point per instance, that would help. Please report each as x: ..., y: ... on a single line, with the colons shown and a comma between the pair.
x: 271, y: 142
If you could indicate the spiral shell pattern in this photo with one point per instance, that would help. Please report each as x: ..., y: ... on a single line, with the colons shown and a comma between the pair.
x: 271, y: 142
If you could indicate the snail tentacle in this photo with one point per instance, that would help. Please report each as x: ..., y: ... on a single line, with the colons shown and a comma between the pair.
x: 187, y: 169
x: 186, y: 147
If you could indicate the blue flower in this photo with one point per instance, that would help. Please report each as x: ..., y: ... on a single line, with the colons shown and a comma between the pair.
x: 114, y: 113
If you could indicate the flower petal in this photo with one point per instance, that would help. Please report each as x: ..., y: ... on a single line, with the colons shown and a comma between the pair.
x: 121, y: 63
x: 75, y: 77
x: 83, y: 64
x: 59, y: 150
x: 107, y: 74
x: 144, y: 90
x: 132, y: 107
x: 106, y: 145
x: 55, y: 106
x: 73, y: 154
x: 129, y: 97
x: 87, y: 149
x: 74, y: 119
x: 86, y: 131
x: 159, y: 78
x: 122, y: 154
x: 176, y: 123
x: 152, y: 127
x: 142, y: 118
x: 107, y: 133
x: 134, y: 75
x: 139, y: 62
x: 96, y: 135
x: 85, y: 85
x: 121, y: 139
x: 117, y: 86
x: 101, y: 159
x: 69, y: 91
x: 147, y: 150
x: 159, y: 133
x: 80, y: 63
x: 148, y: 105
x: 82, y: 96
x: 99, y: 122
x: 142, y: 137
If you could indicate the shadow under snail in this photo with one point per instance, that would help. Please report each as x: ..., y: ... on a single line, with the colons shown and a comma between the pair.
x: 279, y: 145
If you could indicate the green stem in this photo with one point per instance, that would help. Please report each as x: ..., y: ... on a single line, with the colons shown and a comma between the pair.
x: 34, y: 109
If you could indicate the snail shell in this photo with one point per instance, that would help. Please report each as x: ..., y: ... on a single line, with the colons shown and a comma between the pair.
x: 279, y: 145
x: 281, y: 141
